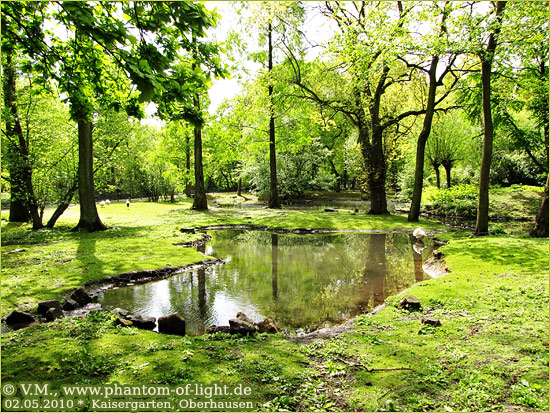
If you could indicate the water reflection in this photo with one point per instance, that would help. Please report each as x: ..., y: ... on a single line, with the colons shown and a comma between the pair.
x: 304, y: 281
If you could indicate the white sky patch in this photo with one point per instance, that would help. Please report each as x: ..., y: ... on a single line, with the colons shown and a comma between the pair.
x: 317, y: 28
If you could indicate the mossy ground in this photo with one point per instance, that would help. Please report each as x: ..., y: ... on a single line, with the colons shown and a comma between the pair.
x: 490, y: 353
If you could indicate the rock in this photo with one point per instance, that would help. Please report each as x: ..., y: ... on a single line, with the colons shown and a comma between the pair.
x: 53, y: 313
x: 121, y: 312
x: 188, y: 230
x: 143, y: 322
x: 269, y: 325
x: 431, y: 321
x: 243, y: 317
x: 218, y: 329
x: 81, y: 297
x: 172, y: 324
x: 44, y: 306
x: 410, y: 302
x: 330, y: 210
x: 242, y: 325
x: 123, y: 322
x: 19, y: 317
x: 70, y: 304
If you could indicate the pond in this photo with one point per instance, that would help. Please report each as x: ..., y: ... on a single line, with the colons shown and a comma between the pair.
x: 303, y: 281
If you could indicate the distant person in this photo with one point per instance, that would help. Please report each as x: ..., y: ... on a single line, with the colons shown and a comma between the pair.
x: 128, y: 203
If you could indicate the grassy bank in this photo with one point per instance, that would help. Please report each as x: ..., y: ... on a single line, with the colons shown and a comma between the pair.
x: 490, y: 352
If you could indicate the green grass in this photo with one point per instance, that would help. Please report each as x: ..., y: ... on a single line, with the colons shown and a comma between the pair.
x: 489, y: 354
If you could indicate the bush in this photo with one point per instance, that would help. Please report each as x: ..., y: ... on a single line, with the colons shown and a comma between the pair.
x: 457, y: 201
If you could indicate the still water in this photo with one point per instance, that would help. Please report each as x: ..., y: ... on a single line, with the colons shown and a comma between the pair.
x: 303, y: 281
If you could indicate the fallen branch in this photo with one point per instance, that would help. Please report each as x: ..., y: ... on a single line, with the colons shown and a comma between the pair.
x: 354, y: 364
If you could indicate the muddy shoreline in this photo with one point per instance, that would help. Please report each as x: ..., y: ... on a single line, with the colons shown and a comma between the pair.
x: 279, y: 230
x: 145, y: 276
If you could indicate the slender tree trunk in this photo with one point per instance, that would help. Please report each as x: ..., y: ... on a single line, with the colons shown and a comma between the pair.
x: 338, y: 176
x: 240, y: 186
x: 448, y: 167
x: 541, y: 220
x: 63, y: 205
x: 482, y: 222
x: 274, y: 200
x: 187, y: 166
x: 199, y: 202
x: 23, y: 203
x: 437, y: 176
x: 89, y: 218
x: 414, y: 211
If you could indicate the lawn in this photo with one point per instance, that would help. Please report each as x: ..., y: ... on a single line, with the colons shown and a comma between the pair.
x: 490, y: 352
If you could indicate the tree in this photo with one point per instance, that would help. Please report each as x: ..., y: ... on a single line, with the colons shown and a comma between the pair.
x: 274, y: 18
x: 23, y: 203
x: 448, y: 142
x: 199, y: 201
x: 486, y: 56
x: 363, y: 57
x: 435, y: 79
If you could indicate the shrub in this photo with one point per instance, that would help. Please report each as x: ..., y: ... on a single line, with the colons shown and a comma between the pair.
x: 460, y: 200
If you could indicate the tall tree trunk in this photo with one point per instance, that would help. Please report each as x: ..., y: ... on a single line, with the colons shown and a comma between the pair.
x: 23, y: 203
x: 199, y: 202
x: 482, y: 222
x: 274, y: 200
x: 18, y: 206
x: 240, y: 186
x: 414, y: 211
x: 541, y: 220
x: 89, y: 218
x: 375, y: 163
x: 338, y: 176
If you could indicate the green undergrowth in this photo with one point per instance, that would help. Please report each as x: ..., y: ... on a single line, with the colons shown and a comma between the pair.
x: 489, y: 354
x: 516, y: 202
x: 140, y: 237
